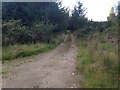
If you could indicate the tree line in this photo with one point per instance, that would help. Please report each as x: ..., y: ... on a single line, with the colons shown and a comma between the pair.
x: 36, y: 22
x: 31, y: 22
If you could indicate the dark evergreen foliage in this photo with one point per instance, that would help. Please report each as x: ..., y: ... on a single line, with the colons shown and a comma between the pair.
x: 32, y: 22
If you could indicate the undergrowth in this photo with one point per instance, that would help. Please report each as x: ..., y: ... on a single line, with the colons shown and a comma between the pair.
x: 98, y: 61
x: 18, y: 51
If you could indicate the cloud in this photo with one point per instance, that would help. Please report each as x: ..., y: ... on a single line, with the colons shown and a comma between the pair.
x: 98, y: 10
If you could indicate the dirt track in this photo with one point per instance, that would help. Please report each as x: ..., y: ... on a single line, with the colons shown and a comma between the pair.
x: 54, y: 69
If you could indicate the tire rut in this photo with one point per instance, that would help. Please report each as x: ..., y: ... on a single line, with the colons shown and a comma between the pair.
x: 54, y: 69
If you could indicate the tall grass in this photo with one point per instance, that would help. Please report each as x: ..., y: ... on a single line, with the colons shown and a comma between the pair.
x: 17, y: 51
x: 98, y: 61
x: 58, y: 39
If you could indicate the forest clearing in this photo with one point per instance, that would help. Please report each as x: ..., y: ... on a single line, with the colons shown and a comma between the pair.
x: 44, y: 46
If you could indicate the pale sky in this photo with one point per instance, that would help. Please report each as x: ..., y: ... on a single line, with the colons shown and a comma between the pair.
x: 98, y: 10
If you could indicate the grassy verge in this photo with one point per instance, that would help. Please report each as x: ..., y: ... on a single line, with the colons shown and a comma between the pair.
x: 98, y: 61
x: 69, y: 38
x: 58, y: 39
x: 18, y: 51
